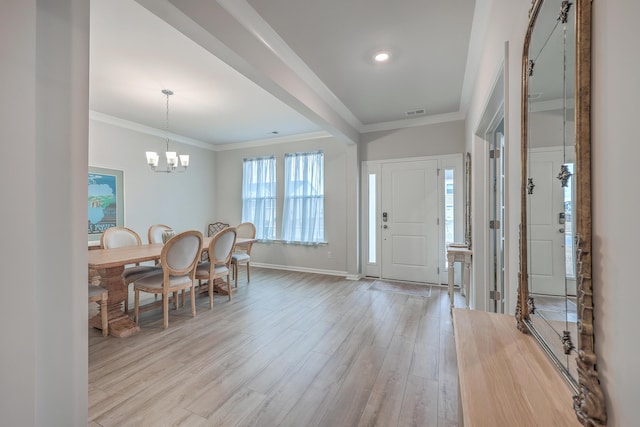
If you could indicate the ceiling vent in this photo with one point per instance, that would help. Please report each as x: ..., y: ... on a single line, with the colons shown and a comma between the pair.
x: 419, y: 112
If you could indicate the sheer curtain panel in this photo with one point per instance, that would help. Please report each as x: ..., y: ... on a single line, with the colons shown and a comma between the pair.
x: 303, y: 212
x: 259, y: 195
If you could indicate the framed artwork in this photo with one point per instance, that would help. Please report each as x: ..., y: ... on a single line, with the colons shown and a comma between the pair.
x: 105, y: 201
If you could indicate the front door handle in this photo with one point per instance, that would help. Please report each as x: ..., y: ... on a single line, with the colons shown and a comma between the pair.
x: 385, y: 226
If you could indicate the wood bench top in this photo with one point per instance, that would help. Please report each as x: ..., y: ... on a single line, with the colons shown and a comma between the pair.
x: 505, y: 378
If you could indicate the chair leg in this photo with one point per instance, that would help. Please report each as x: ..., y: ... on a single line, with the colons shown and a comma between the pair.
x: 193, y: 300
x: 126, y: 299
x: 210, y: 286
x: 235, y: 273
x: 229, y: 285
x: 165, y: 309
x: 248, y: 273
x: 103, y: 314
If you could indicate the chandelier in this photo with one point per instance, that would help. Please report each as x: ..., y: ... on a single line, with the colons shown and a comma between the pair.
x: 172, y: 156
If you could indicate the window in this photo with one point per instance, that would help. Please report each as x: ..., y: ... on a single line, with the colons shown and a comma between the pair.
x: 449, y: 207
x: 569, y: 248
x: 303, y: 212
x: 373, y: 226
x: 259, y: 195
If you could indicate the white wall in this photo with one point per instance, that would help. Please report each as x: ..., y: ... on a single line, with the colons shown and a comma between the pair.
x: 44, y: 64
x: 229, y: 204
x: 615, y: 154
x: 506, y: 23
x: 17, y: 123
x: 184, y: 201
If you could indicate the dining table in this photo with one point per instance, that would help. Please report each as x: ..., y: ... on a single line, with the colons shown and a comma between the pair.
x: 108, y: 264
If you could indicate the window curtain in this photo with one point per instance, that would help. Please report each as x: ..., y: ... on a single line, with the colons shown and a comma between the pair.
x: 259, y: 195
x: 303, y: 211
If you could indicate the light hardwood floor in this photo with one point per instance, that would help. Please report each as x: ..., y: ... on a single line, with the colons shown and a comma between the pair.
x: 290, y: 349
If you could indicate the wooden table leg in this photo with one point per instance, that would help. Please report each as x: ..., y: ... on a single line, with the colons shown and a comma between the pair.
x: 120, y: 324
x: 220, y: 287
x: 450, y: 260
x: 467, y: 278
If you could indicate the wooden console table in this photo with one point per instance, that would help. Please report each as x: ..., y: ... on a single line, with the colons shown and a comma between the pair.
x: 504, y: 377
x: 463, y: 255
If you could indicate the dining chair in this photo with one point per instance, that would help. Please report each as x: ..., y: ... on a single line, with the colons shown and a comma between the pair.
x: 219, y: 264
x: 100, y: 295
x: 118, y: 237
x: 155, y: 232
x: 216, y: 227
x: 242, y: 253
x: 212, y: 229
x: 179, y: 259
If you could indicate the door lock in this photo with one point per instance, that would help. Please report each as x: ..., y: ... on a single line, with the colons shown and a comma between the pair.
x: 384, y: 217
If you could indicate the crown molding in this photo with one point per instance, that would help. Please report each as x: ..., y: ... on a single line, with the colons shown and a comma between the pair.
x: 148, y: 130
x: 407, y: 123
x: 273, y: 141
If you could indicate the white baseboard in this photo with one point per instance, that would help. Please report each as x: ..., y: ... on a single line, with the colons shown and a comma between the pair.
x: 304, y: 270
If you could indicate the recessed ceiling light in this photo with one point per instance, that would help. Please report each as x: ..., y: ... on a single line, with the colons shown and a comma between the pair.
x: 381, y: 57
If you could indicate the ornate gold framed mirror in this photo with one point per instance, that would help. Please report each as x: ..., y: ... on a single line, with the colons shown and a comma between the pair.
x: 555, y: 290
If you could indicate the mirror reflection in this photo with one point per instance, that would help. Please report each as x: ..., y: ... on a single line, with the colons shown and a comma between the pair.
x: 551, y: 192
x: 555, y: 250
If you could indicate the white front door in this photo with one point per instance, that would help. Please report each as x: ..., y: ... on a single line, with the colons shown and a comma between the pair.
x: 546, y: 223
x: 409, y: 234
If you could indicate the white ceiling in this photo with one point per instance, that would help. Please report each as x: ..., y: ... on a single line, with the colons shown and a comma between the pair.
x: 243, y: 69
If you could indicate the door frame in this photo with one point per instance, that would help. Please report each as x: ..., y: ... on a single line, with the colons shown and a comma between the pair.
x: 495, y: 170
x: 374, y: 167
x: 496, y: 105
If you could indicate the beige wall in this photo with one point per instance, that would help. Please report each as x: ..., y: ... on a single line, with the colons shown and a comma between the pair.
x: 184, y: 201
x: 418, y: 141
x: 340, y: 179
x: 313, y: 258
